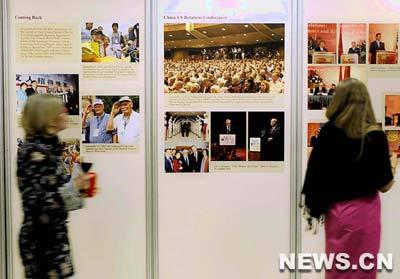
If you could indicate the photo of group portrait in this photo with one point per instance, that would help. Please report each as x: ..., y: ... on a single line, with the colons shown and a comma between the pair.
x: 266, y: 136
x: 383, y: 42
x: 228, y: 136
x: 186, y: 158
x: 110, y: 42
x: 64, y: 86
x: 111, y: 119
x: 322, y: 81
x: 322, y: 43
x: 352, y: 46
x: 224, y: 58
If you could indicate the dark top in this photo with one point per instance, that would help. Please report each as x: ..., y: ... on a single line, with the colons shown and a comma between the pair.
x: 43, y: 240
x: 336, y: 172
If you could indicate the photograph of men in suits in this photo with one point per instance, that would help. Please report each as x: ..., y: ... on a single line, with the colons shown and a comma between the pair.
x: 375, y: 46
x: 272, y: 144
x: 321, y: 47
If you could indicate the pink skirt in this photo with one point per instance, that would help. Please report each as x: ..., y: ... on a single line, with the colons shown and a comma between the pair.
x: 354, y: 227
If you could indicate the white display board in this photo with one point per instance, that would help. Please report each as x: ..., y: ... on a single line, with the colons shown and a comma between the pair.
x: 341, y: 28
x: 44, y: 44
x: 229, y: 217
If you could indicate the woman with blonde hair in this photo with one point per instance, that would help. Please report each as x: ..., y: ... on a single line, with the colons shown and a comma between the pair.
x: 47, y: 191
x: 347, y: 168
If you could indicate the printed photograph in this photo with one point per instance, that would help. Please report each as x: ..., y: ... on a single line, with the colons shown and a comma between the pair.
x: 313, y: 131
x: 392, y: 111
x: 322, y: 82
x: 322, y: 43
x: 186, y: 137
x: 110, y: 119
x: 228, y: 136
x: 266, y: 136
x: 383, y: 43
x: 186, y: 158
x: 224, y: 58
x: 110, y: 42
x: 352, y: 43
x: 393, y: 138
x: 65, y: 86
x: 70, y: 154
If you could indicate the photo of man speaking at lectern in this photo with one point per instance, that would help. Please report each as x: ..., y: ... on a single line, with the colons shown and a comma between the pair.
x: 266, y: 136
x: 352, y: 43
x: 228, y: 136
x: 383, y: 39
x: 322, y: 43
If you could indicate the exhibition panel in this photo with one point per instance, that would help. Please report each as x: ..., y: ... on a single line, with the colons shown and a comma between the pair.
x: 224, y: 100
x: 197, y: 119
x: 362, y: 44
x: 96, y: 63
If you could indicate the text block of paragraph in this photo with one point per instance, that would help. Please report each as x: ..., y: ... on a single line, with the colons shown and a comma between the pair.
x: 48, y: 43
x: 223, y: 99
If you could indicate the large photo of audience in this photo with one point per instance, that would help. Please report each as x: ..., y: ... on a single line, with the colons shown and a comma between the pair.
x: 110, y: 42
x: 268, y: 129
x: 186, y: 139
x: 228, y: 136
x: 111, y: 119
x: 65, y: 86
x: 224, y: 58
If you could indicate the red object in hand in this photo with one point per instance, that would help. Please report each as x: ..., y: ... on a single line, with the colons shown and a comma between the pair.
x: 92, y: 184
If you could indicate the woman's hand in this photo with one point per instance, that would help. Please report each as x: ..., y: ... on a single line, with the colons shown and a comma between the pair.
x: 81, y: 184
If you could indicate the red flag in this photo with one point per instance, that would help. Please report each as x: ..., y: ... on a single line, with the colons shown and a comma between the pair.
x: 340, y: 73
x: 340, y: 41
x: 347, y: 72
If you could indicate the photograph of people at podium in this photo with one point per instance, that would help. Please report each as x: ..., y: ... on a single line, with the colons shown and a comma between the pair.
x: 186, y: 158
x: 322, y: 82
x: 383, y: 41
x: 111, y: 120
x: 266, y: 136
x: 228, y: 136
x: 64, y: 86
x: 392, y: 111
x: 322, y: 43
x: 224, y: 58
x: 352, y: 43
x: 110, y: 42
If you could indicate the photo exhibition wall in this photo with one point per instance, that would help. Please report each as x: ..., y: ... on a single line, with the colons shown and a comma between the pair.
x: 199, y: 118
